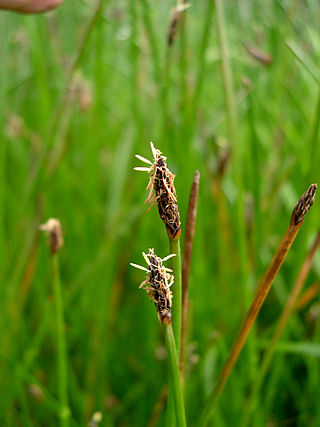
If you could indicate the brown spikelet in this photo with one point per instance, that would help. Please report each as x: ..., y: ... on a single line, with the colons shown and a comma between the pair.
x: 259, y: 56
x: 304, y: 204
x: 157, y: 284
x: 54, y: 231
x: 174, y: 22
x: 162, y: 192
x: 162, y: 181
x: 173, y: 27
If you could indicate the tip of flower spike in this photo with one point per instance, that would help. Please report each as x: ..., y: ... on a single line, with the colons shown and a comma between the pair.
x: 304, y: 204
x: 54, y: 231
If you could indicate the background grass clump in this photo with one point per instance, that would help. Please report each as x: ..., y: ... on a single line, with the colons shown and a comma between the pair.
x: 81, y: 91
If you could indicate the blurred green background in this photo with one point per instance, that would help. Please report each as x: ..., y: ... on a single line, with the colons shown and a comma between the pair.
x: 83, y: 89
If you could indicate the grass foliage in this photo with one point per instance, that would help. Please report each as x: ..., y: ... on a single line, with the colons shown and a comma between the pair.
x: 67, y: 151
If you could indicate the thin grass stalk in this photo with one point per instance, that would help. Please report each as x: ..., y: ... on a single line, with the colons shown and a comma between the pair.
x: 297, y: 218
x: 155, y: 54
x: 308, y: 295
x: 236, y: 159
x: 314, y: 151
x: 184, y: 72
x: 55, y: 241
x: 45, y: 156
x: 177, y: 290
x: 4, y: 24
x: 63, y: 101
x: 158, y: 407
x: 202, y: 59
x: 281, y: 324
x: 188, y: 245
x: 61, y: 343
x: 233, y: 134
x: 176, y: 386
x: 176, y: 320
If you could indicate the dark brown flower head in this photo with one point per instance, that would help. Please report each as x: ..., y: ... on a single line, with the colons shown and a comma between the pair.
x: 157, y: 284
x: 162, y: 191
x: 304, y: 204
x: 174, y: 21
x: 55, y: 238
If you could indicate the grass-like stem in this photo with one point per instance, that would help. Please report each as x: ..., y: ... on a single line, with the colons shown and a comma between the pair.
x: 176, y: 290
x: 176, y: 387
x: 190, y: 229
x: 297, y: 218
x: 61, y: 343
x: 281, y: 324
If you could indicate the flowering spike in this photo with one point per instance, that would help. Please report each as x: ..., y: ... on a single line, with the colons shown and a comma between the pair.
x: 162, y: 191
x: 157, y: 284
x: 54, y: 232
x: 303, y: 205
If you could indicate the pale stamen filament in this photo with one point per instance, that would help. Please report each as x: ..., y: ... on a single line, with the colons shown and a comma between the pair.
x: 143, y: 159
x: 139, y: 267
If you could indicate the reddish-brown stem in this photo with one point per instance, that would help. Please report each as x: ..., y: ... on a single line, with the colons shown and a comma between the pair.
x: 297, y: 217
x: 190, y: 229
x: 281, y: 324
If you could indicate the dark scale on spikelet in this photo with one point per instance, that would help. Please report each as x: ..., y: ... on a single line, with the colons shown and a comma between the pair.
x: 162, y: 192
x: 157, y: 284
x: 162, y: 182
x: 303, y: 205
x: 174, y: 22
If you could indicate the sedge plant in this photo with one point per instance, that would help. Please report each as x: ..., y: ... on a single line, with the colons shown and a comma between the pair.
x: 162, y: 193
x: 157, y: 284
x: 55, y: 241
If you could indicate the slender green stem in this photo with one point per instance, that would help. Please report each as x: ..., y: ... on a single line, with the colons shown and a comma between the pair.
x: 233, y: 135
x: 61, y: 343
x: 177, y: 314
x: 3, y: 95
x: 175, y: 376
x: 177, y: 290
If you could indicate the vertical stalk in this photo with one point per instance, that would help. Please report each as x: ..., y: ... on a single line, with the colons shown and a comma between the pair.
x: 282, y: 322
x: 233, y: 135
x: 297, y: 218
x: 176, y: 318
x: 233, y: 132
x: 3, y: 97
x: 61, y: 343
x: 188, y: 245
x: 177, y: 290
x: 175, y: 379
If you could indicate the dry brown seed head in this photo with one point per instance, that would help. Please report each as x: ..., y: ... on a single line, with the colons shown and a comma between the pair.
x: 174, y: 22
x: 303, y: 205
x: 54, y: 232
